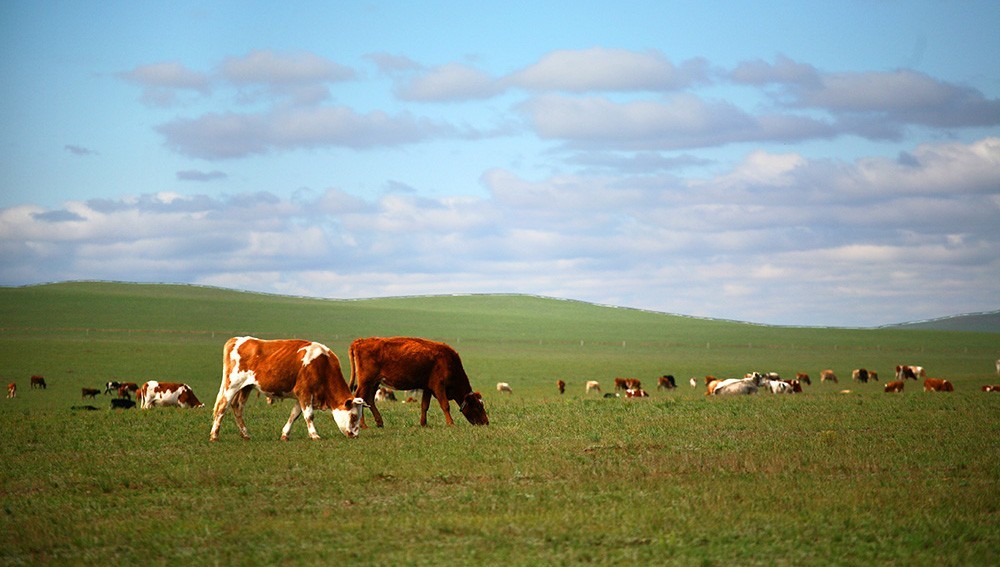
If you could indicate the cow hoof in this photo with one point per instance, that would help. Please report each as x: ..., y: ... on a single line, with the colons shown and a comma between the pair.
x: 284, y: 438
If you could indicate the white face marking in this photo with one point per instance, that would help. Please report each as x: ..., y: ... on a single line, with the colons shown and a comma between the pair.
x: 313, y: 351
x: 349, y: 421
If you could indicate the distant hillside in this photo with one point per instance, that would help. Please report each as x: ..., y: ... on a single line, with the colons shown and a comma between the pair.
x: 977, y: 322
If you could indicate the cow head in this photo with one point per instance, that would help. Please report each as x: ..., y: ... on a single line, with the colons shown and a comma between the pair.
x: 348, y: 416
x: 473, y: 410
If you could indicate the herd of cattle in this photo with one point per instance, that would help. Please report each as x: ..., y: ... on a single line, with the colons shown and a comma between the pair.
x: 309, y: 373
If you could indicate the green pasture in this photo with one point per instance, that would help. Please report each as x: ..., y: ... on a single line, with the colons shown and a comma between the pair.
x: 823, y: 477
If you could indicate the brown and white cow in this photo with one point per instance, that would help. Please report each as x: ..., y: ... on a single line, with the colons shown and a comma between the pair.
x: 860, y: 375
x: 408, y: 363
x: 904, y: 372
x: 828, y: 375
x: 938, y: 385
x: 896, y: 386
x: 561, y: 385
x: 305, y: 371
x: 666, y: 381
x: 803, y: 378
x: 592, y: 386
x: 12, y: 390
x: 636, y: 393
x: 504, y: 387
x: 991, y: 388
x: 155, y: 393
x: 38, y: 382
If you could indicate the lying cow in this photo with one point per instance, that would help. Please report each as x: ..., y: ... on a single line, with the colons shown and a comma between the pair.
x: 407, y: 363
x: 153, y: 394
x: 306, y: 371
x: 991, y: 388
x: 938, y: 385
x: 779, y: 387
x: 739, y: 386
x: 120, y: 403
x: 636, y: 393
x: 896, y: 386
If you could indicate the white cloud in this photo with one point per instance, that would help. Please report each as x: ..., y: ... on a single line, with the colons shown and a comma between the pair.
x: 757, y: 242
x: 602, y: 69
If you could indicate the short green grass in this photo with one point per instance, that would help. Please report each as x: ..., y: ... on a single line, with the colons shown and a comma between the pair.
x: 823, y: 477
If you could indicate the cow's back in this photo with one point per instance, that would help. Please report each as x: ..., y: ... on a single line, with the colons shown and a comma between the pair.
x: 407, y: 363
x: 287, y: 366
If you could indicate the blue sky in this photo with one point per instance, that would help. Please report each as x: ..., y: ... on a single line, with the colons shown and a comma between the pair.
x: 777, y: 162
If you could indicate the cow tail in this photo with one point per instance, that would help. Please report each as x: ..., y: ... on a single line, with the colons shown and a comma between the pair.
x: 352, y: 356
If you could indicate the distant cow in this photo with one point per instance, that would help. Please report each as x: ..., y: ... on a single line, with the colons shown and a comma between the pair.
x: 828, y: 375
x: 92, y: 392
x: 561, y: 385
x: 504, y: 387
x: 860, y: 375
x: 592, y: 385
x: 111, y: 387
x: 873, y: 376
x: 779, y: 387
x: 407, y: 363
x: 12, y: 390
x: 904, y: 372
x: 38, y: 382
x: 896, y: 386
x: 938, y: 385
x: 306, y: 371
x: 693, y: 382
x: 153, y: 393
x: 119, y: 403
x: 803, y: 378
x: 636, y: 393
x: 795, y: 385
x: 998, y: 366
x: 125, y: 387
x: 994, y: 388
x: 666, y: 381
x: 738, y: 386
x: 385, y: 395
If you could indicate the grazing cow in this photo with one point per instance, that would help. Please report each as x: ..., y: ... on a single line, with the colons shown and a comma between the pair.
x: 938, y: 385
x: 994, y: 388
x: 693, y: 382
x: 740, y: 386
x: 896, y: 386
x: 306, y: 371
x: 12, y: 390
x: 667, y: 382
x: 504, y: 387
x: 860, y: 375
x: 153, y: 393
x: 119, y: 403
x: 873, y: 376
x: 636, y: 393
x: 904, y: 372
x: 92, y: 392
x: 125, y: 387
x: 828, y: 375
x: 38, y: 382
x: 592, y: 385
x: 385, y: 395
x: 112, y: 386
x: 803, y: 378
x: 561, y: 385
x: 407, y: 363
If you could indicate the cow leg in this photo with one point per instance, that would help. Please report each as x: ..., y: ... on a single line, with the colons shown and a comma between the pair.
x: 238, y: 402
x: 221, y: 403
x: 307, y: 414
x: 425, y: 403
x: 296, y: 410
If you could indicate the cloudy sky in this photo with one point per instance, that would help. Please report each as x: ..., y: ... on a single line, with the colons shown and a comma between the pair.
x: 827, y: 163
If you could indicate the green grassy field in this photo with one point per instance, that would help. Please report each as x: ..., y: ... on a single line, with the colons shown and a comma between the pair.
x: 678, y: 478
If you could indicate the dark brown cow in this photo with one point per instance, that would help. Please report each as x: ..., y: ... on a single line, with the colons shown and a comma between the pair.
x: 92, y: 392
x: 803, y: 378
x: 896, y: 386
x: 306, y: 371
x: 666, y: 381
x: 938, y: 385
x: 561, y: 385
x: 860, y: 375
x: 38, y: 382
x: 407, y: 363
x: 627, y: 384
